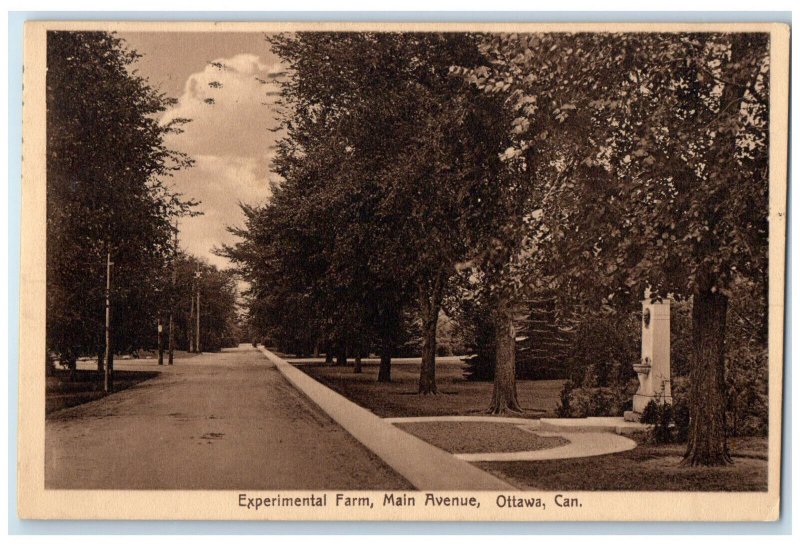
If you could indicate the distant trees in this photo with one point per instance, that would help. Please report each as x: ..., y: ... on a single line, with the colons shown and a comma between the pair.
x: 106, y: 166
x: 219, y: 320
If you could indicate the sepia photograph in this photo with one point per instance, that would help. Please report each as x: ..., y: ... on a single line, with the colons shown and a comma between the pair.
x: 403, y: 271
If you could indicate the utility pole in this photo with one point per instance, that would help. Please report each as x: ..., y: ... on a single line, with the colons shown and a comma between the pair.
x: 197, y: 317
x: 172, y: 298
x: 108, y: 379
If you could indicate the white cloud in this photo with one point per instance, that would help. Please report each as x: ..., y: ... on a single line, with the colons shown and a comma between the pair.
x: 237, y: 122
x: 220, y: 183
x: 231, y: 144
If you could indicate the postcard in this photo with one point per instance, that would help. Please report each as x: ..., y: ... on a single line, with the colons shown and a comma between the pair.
x: 402, y: 271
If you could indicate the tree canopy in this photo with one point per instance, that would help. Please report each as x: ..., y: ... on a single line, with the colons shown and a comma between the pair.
x: 651, y: 155
x: 107, y: 167
x: 496, y: 168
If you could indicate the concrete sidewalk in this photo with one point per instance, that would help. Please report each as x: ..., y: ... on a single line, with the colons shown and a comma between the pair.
x: 425, y: 466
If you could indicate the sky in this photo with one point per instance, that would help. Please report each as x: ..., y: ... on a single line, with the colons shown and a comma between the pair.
x: 229, y: 140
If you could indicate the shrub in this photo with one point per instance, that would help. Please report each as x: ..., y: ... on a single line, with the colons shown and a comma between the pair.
x: 748, y: 405
x: 680, y: 408
x: 660, y: 416
x: 680, y: 416
x: 670, y: 420
x: 604, y: 346
x: 591, y: 402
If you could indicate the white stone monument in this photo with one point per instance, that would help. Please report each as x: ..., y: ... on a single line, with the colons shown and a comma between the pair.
x: 653, y: 368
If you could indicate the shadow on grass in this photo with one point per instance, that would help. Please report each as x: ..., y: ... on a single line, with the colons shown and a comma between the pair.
x: 416, y: 393
x: 644, y: 468
x: 66, y: 389
x: 456, y: 396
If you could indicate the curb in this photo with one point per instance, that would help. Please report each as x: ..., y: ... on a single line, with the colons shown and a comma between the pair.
x: 427, y: 467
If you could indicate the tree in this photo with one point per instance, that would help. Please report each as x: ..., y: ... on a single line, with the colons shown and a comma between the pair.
x: 106, y: 192
x: 218, y: 307
x: 386, y: 219
x: 451, y: 182
x: 652, y: 154
x: 343, y: 280
x: 273, y: 256
x: 544, y: 340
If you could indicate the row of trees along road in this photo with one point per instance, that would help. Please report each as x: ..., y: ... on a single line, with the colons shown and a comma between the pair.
x: 422, y: 168
x: 107, y: 167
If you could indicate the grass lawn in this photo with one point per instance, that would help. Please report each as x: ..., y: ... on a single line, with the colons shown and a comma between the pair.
x: 65, y: 391
x: 644, y: 468
x: 399, y: 398
x: 480, y: 437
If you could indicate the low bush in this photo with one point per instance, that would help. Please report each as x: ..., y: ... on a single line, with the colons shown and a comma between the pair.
x: 592, y: 401
x: 670, y: 420
x: 660, y: 416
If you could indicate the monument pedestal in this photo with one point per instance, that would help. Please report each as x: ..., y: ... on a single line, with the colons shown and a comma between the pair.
x: 653, y: 370
x: 640, y: 401
x: 632, y: 417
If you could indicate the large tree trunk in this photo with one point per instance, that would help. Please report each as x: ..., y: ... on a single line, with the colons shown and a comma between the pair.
x: 389, y: 323
x: 431, y: 302
x: 341, y: 355
x: 427, y: 374
x: 385, y: 370
x: 707, y: 434
x: 504, y: 397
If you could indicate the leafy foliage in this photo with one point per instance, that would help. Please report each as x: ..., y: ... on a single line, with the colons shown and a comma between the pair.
x: 380, y: 141
x: 650, y: 156
x: 621, y: 130
x: 106, y: 192
x: 422, y: 169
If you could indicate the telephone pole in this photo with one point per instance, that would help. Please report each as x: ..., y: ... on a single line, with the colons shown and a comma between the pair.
x: 197, y: 316
x: 108, y: 379
x: 172, y: 298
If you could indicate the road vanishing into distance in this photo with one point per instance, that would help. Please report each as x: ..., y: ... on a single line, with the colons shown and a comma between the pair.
x: 217, y: 421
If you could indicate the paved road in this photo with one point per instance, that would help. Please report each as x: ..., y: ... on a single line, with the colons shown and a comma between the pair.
x: 217, y: 421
